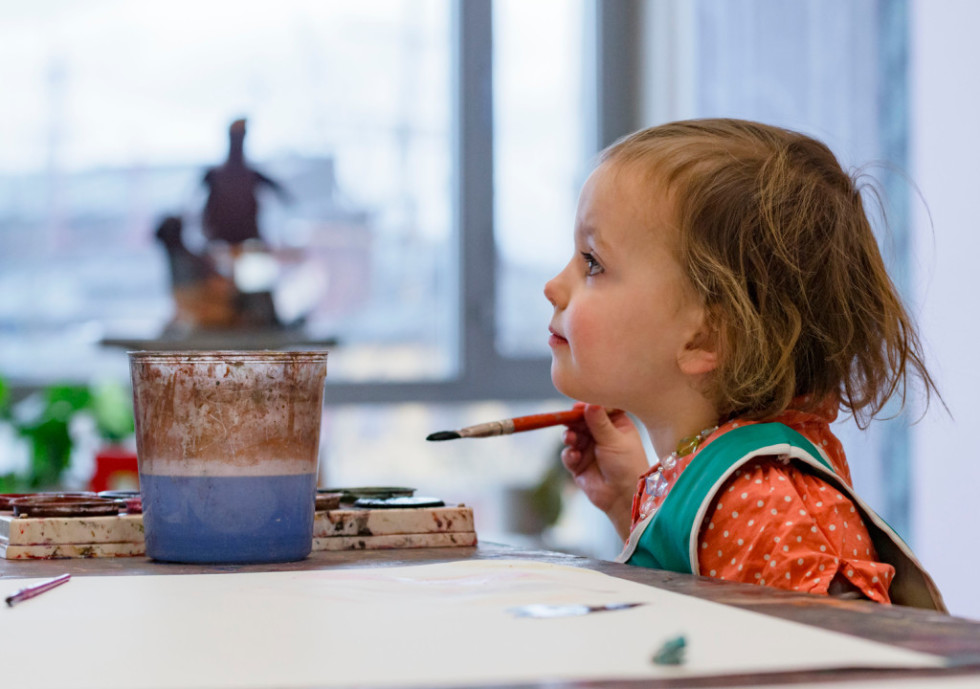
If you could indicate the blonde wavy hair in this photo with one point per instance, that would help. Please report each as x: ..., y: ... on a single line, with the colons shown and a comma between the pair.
x: 776, y: 241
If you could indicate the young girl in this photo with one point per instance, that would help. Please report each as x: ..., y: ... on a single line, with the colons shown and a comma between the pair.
x: 727, y: 290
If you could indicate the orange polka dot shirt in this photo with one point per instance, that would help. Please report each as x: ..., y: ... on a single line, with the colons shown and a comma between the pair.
x: 774, y: 524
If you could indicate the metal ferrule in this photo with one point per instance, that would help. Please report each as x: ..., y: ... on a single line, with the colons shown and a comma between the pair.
x: 484, y: 430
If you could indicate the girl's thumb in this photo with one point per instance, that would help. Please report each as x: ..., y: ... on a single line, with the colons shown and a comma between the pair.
x: 600, y: 425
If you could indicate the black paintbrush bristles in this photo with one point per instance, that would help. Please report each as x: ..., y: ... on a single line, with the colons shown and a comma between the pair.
x: 443, y: 435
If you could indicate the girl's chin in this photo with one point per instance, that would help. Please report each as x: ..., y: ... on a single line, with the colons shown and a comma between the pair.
x: 565, y: 384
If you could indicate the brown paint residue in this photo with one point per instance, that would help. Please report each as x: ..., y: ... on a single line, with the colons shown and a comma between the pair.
x: 225, y: 413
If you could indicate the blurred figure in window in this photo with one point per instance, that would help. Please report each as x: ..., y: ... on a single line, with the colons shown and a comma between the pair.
x: 203, y: 298
x: 231, y: 211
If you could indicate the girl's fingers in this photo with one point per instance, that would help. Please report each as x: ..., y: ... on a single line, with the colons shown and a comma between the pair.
x: 576, y: 439
x: 573, y: 460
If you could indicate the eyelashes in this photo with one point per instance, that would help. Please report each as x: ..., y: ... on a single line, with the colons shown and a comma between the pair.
x: 592, y: 266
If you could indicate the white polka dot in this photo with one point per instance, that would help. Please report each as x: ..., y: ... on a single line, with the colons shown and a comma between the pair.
x: 787, y: 498
x: 787, y: 575
x: 823, y: 487
x: 744, y: 495
x: 766, y: 556
x: 852, y: 508
x: 760, y: 503
x: 741, y: 541
x: 762, y: 582
x: 758, y: 576
x: 799, y: 539
x: 813, y: 529
x: 802, y: 513
x: 855, y: 551
x: 719, y: 553
x: 832, y: 527
x: 786, y: 548
x: 800, y: 561
x: 759, y: 481
x: 712, y: 573
x: 776, y: 539
x: 772, y: 563
x: 850, y: 572
x: 781, y: 478
x: 733, y: 562
x: 725, y: 533
x: 823, y: 549
x: 703, y: 546
x: 820, y: 567
x: 789, y: 523
x: 734, y: 515
x: 840, y: 497
x: 819, y: 504
x: 751, y: 522
x: 739, y: 567
x: 711, y: 525
x: 773, y: 512
x: 845, y: 524
x: 859, y: 537
x: 731, y: 488
x: 874, y: 580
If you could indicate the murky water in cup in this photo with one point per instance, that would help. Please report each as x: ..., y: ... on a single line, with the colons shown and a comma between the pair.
x: 227, y: 445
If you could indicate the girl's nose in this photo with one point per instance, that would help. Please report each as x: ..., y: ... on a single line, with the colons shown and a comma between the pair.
x: 553, y: 291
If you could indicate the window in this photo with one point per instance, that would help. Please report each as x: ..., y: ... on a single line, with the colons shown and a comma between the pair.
x: 121, y: 107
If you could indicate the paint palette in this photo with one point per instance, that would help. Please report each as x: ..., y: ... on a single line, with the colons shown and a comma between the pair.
x: 121, y: 535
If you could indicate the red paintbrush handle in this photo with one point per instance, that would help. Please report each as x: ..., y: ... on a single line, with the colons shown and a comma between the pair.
x: 557, y: 418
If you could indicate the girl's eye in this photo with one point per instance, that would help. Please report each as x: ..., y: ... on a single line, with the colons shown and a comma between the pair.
x: 592, y: 266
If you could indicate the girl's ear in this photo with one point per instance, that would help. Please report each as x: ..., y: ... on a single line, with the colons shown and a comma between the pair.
x: 700, y: 354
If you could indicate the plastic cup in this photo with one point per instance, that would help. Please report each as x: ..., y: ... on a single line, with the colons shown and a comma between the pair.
x: 227, y: 445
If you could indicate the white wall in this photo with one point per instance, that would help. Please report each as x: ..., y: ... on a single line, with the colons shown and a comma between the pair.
x: 946, y: 167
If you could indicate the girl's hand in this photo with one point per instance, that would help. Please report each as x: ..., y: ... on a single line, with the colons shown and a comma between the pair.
x: 604, y: 453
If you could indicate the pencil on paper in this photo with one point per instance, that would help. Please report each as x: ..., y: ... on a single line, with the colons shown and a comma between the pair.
x: 36, y: 590
x: 515, y: 425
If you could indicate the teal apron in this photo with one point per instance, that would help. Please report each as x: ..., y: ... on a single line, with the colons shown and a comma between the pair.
x: 668, y: 538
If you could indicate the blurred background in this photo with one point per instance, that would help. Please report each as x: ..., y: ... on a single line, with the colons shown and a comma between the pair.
x: 432, y: 152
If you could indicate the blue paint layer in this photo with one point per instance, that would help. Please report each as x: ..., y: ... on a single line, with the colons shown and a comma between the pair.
x: 218, y: 519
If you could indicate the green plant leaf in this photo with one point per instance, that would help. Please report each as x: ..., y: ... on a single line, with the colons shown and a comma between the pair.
x: 67, y: 399
x: 112, y: 407
x: 4, y: 399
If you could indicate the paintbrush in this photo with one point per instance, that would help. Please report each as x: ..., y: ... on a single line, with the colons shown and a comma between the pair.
x: 36, y: 590
x: 515, y: 425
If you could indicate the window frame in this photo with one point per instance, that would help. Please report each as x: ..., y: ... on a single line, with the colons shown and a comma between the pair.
x: 483, y: 373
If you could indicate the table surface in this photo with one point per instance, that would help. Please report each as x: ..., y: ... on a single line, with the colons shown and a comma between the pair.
x: 956, y: 639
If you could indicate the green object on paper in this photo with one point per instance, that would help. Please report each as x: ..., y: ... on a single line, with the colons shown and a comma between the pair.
x: 671, y: 652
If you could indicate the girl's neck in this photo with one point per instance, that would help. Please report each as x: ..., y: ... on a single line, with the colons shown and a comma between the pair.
x: 682, y: 421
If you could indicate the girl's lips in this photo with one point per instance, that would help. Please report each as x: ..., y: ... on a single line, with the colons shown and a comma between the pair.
x: 556, y: 340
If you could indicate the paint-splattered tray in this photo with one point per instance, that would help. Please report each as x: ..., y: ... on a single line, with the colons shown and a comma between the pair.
x: 342, y: 529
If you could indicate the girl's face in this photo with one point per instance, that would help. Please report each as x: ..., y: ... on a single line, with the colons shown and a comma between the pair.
x: 625, y: 311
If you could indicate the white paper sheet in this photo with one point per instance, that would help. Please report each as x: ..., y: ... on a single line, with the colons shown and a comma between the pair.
x: 426, y: 625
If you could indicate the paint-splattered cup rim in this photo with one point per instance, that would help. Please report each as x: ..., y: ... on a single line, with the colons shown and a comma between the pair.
x: 225, y: 356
